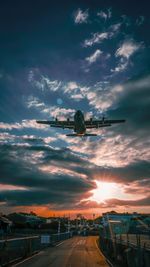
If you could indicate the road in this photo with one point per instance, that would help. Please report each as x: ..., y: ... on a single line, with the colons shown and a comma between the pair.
x: 75, y: 252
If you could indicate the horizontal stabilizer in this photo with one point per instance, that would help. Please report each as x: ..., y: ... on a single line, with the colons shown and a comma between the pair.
x: 90, y: 135
x: 73, y: 135
x: 78, y: 135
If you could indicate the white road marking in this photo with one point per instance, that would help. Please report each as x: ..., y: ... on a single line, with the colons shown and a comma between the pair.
x: 81, y: 242
x: 60, y: 243
x: 100, y: 252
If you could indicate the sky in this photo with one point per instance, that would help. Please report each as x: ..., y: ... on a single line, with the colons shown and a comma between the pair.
x: 57, y: 57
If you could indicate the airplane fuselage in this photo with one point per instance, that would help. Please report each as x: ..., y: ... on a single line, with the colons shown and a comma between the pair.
x: 80, y: 125
x: 80, y: 128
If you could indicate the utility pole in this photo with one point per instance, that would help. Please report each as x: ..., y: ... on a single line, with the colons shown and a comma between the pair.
x: 68, y: 225
x: 93, y: 219
x: 59, y: 227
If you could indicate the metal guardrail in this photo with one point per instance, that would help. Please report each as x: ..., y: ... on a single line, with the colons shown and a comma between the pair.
x: 133, y: 240
x: 15, y: 249
x: 126, y: 250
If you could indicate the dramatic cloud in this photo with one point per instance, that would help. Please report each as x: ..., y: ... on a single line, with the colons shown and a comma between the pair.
x: 71, y: 89
x: 105, y: 15
x: 94, y: 57
x: 133, y: 103
x: 100, y: 95
x: 43, y: 175
x: 125, y: 143
x: 124, y: 52
x: 122, y: 65
x: 42, y: 82
x: 35, y: 102
x: 89, y: 58
x: 129, y: 203
x: 52, y: 111
x: 14, y: 139
x: 63, y: 112
x: 128, y: 48
x: 81, y: 16
x: 98, y: 38
x: 33, y: 172
x: 21, y: 125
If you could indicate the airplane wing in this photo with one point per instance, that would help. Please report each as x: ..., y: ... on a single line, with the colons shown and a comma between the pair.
x: 101, y: 123
x: 59, y: 124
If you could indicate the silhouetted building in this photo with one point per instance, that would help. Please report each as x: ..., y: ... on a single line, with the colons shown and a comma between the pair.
x: 5, y: 225
x: 25, y: 220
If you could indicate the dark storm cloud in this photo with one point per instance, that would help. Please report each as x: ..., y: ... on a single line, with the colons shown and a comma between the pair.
x: 113, y: 203
x: 140, y: 187
x: 133, y: 105
x: 42, y: 197
x: 131, y: 203
x: 20, y: 167
x: 54, y: 200
x: 125, y: 174
x: 64, y: 157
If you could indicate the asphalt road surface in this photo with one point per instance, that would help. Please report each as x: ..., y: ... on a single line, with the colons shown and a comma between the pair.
x: 75, y: 252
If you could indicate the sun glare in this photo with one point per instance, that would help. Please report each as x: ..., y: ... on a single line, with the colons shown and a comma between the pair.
x: 104, y: 191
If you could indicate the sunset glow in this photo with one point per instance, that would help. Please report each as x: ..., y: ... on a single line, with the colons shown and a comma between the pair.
x: 90, y: 62
x: 106, y: 190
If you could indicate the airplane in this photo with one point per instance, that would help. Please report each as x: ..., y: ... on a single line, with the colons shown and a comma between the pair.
x: 79, y: 124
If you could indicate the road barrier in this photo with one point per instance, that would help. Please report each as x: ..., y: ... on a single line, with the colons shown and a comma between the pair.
x: 13, y: 250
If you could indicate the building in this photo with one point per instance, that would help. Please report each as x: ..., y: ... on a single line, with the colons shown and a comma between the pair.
x: 118, y: 223
x: 5, y: 225
x: 25, y: 220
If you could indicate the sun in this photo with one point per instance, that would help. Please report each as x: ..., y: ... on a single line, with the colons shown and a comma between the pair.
x: 109, y: 190
x: 104, y: 190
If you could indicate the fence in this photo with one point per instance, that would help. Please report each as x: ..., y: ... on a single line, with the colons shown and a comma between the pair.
x: 13, y: 250
x: 127, y: 250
